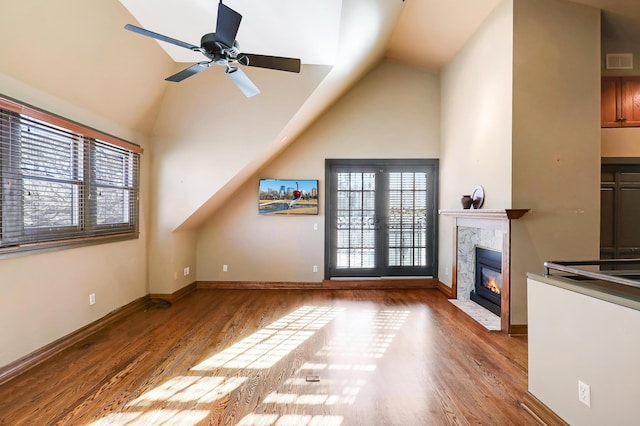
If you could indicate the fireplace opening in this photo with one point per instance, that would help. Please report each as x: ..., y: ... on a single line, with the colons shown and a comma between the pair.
x: 488, y: 279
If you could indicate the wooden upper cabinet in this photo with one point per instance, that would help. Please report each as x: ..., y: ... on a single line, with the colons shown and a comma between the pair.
x: 611, y: 107
x: 630, y: 95
x: 620, y: 102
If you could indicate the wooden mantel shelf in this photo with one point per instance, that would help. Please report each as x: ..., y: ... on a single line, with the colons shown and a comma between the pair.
x: 486, y: 213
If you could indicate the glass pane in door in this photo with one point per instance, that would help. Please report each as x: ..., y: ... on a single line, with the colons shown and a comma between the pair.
x: 407, y: 219
x: 355, y: 216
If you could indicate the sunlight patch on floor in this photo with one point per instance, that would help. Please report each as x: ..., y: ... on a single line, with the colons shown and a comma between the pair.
x: 269, y: 345
x: 347, y: 367
x: 261, y: 350
x: 368, y: 338
x: 154, y: 417
x: 290, y: 420
x: 348, y: 389
x: 197, y: 389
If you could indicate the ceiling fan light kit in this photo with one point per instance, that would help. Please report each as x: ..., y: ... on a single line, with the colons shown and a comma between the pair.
x: 222, y: 48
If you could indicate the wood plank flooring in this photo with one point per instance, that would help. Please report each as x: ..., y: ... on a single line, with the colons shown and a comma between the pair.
x: 227, y: 357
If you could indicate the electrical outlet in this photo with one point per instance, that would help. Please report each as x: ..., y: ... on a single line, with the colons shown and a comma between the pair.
x: 315, y: 226
x: 185, y: 271
x: 446, y: 271
x: 584, y: 393
x: 315, y: 268
x: 225, y: 268
x: 92, y: 299
x: 175, y: 276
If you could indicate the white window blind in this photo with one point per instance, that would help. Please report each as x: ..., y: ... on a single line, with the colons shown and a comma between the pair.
x: 62, y: 185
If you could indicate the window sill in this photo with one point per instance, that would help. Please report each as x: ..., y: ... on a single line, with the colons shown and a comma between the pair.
x: 27, y: 249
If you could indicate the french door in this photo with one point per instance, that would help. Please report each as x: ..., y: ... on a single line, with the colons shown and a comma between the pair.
x: 381, y: 218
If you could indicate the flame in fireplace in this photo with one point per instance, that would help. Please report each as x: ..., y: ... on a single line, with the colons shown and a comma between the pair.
x: 491, y: 285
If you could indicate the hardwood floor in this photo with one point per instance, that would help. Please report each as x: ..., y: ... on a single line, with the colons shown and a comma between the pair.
x: 405, y: 357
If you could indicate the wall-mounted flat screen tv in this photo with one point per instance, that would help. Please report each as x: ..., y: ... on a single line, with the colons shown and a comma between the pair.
x: 288, y: 196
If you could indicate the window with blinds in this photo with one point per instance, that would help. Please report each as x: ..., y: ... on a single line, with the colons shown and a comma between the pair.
x: 61, y: 185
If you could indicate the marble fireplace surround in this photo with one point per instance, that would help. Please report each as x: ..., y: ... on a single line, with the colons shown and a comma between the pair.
x: 485, y: 227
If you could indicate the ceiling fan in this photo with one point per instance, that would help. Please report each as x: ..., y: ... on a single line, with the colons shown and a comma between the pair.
x: 221, y: 48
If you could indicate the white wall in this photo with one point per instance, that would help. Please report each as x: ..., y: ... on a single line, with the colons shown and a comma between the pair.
x: 575, y: 337
x: 392, y: 113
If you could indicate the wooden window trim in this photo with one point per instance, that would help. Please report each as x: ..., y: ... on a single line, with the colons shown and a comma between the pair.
x: 20, y: 108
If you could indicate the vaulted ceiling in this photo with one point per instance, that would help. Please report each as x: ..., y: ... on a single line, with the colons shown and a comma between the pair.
x: 80, y: 53
x: 427, y: 34
x: 343, y: 34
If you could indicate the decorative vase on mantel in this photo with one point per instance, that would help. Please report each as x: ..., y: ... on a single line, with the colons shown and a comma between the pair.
x: 466, y: 201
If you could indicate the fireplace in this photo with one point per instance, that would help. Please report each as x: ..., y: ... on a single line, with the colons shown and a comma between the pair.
x: 488, y: 279
x: 497, y: 221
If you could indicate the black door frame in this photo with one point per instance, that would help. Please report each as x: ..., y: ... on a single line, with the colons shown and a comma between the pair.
x: 379, y: 166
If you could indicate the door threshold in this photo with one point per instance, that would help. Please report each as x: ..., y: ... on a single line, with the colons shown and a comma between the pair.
x: 398, y: 277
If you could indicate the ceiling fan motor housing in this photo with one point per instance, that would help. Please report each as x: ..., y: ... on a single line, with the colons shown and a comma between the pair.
x: 210, y: 44
x: 216, y: 50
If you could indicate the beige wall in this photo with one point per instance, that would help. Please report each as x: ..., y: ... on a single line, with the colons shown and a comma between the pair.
x: 392, y: 113
x: 529, y: 133
x: 202, y: 140
x: 47, y: 60
x: 80, y: 52
x: 578, y: 337
x: 476, y: 124
x: 556, y: 138
x: 618, y: 142
x: 612, y: 45
x: 211, y: 140
x: 46, y: 296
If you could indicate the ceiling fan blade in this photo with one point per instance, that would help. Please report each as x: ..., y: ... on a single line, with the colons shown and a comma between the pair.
x: 270, y: 62
x: 242, y: 81
x: 227, y: 25
x: 188, y: 72
x: 160, y: 37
